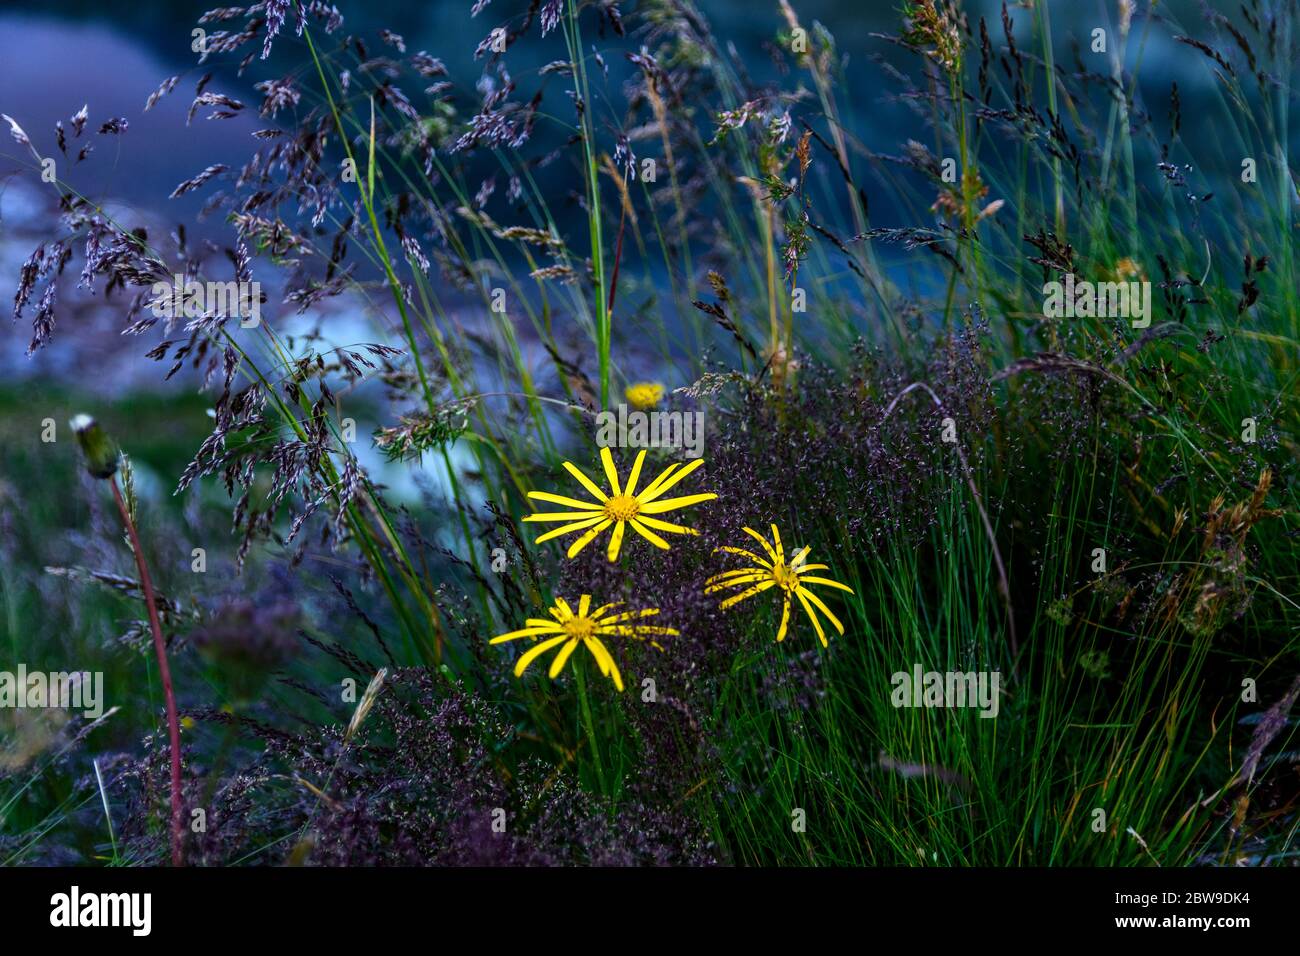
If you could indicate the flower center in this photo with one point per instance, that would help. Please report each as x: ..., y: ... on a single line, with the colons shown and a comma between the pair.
x: 579, y: 627
x: 622, y: 508
x: 785, y: 578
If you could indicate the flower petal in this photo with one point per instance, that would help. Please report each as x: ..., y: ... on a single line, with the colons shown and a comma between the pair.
x: 654, y: 485
x: 611, y: 473
x: 588, y: 537
x: 736, y: 582
x: 586, y: 482
x: 748, y: 554
x: 821, y: 606
x: 601, y: 653
x: 584, y: 605
x: 763, y: 541
x: 630, y: 615
x: 799, y: 593
x: 809, y: 579
x: 567, y: 502
x: 595, y: 615
x: 533, y: 652
x: 639, y: 527
x: 557, y: 664
x: 737, y: 598
x: 636, y: 630
x: 776, y: 542
x: 738, y: 572
x: 566, y: 529
x: 616, y: 540
x: 664, y: 525
x: 668, y: 504
x: 666, y: 481
x: 524, y: 632
x: 562, y: 516
x: 630, y: 488
x: 785, y: 619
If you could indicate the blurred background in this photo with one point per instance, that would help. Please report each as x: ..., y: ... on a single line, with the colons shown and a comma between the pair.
x: 111, y: 56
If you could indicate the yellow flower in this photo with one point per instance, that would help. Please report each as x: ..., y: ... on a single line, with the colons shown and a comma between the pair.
x: 644, y: 394
x: 568, y: 630
x: 793, y: 579
x: 1128, y: 268
x: 622, y: 507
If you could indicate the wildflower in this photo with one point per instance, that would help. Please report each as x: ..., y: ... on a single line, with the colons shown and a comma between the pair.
x: 622, y: 507
x: 586, y: 627
x: 101, y: 454
x: 792, y: 578
x: 102, y: 461
x: 644, y: 395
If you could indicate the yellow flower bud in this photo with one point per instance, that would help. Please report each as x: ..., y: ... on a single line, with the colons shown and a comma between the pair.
x: 644, y: 395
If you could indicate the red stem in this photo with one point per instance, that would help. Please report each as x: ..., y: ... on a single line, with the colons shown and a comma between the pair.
x: 173, y: 724
x: 618, y: 258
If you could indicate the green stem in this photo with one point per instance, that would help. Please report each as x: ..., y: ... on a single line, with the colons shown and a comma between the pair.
x: 585, y: 704
x: 604, y: 325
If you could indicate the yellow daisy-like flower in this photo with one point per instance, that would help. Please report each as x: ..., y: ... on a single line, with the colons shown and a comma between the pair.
x: 622, y: 507
x: 644, y: 395
x: 568, y: 630
x: 792, y: 578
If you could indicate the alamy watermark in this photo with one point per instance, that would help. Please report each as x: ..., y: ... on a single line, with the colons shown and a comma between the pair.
x: 620, y: 428
x: 78, y: 690
x: 946, y: 689
x: 133, y: 911
x: 1105, y: 300
x: 188, y: 298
